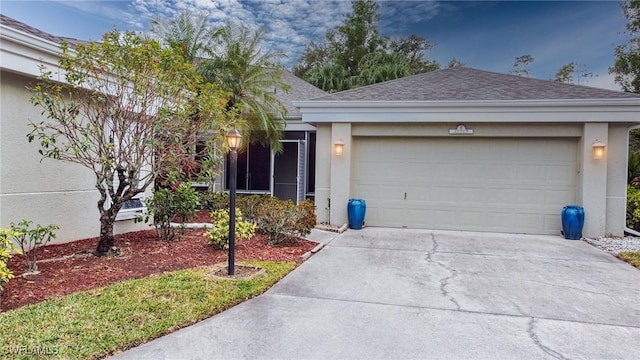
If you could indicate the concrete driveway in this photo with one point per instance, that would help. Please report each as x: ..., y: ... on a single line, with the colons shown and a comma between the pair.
x: 398, y: 294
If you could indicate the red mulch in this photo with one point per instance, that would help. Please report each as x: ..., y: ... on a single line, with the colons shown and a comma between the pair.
x: 71, y: 267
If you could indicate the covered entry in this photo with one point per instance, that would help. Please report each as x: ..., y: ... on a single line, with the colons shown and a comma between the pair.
x: 484, y: 184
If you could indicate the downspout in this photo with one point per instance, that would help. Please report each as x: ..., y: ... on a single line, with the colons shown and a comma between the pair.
x: 626, y: 229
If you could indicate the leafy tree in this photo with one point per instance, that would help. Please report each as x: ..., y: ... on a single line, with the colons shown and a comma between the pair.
x: 566, y: 73
x: 357, y: 36
x: 455, y: 63
x: 627, y: 57
x: 521, y: 65
x: 123, y: 110
x: 413, y: 48
x: 355, y: 54
x: 314, y: 55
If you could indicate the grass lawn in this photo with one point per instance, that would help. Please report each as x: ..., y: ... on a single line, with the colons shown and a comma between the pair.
x: 632, y: 257
x: 107, y: 320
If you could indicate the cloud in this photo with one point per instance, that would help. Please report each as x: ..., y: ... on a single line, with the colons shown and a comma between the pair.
x: 290, y: 24
x: 396, y: 17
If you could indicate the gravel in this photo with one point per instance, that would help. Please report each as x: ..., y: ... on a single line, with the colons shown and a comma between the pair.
x: 616, y: 245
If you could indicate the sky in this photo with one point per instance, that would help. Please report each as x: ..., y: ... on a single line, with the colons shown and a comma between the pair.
x: 486, y: 35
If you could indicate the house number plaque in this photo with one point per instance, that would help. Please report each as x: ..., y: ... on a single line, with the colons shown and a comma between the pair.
x: 461, y: 130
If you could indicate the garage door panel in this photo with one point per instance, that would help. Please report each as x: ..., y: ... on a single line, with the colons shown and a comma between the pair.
x: 510, y: 185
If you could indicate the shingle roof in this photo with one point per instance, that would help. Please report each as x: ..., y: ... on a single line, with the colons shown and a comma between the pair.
x: 15, y: 24
x: 461, y: 83
x: 299, y: 90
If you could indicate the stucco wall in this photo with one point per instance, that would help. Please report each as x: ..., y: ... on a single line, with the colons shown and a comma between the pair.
x: 616, y: 203
x: 324, y: 153
x: 47, y: 191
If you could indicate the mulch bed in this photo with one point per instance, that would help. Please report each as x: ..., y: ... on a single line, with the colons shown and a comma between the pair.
x: 68, y: 268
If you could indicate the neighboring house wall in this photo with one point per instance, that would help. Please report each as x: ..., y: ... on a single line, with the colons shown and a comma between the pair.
x: 45, y: 191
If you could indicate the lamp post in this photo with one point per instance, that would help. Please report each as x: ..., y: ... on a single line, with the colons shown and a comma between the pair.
x: 233, y: 139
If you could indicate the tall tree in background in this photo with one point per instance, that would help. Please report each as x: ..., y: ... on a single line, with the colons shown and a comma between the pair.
x: 413, y: 48
x: 627, y: 57
x: 454, y: 63
x: 122, y: 111
x: 355, y: 54
x: 521, y: 65
x: 573, y: 73
x: 357, y: 36
x: 313, y: 56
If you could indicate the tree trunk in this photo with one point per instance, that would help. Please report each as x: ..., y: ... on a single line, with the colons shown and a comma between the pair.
x: 106, y: 235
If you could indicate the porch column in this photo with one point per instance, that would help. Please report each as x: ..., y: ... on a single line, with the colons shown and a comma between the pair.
x: 340, y: 173
x: 323, y: 171
x: 617, y: 154
x: 594, y: 179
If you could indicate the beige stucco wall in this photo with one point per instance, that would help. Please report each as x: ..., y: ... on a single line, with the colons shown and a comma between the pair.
x: 594, y: 180
x: 601, y: 187
x: 47, y: 191
x: 324, y: 156
x: 617, y: 155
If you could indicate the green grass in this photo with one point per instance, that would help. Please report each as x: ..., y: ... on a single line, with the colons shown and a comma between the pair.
x: 632, y: 257
x: 104, y: 321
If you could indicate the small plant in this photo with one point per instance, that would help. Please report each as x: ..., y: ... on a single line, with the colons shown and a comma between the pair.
x: 633, y: 207
x: 31, y: 240
x: 7, y: 248
x: 219, y: 235
x: 178, y: 202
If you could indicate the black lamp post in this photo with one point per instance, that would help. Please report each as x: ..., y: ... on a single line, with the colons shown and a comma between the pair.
x: 233, y: 139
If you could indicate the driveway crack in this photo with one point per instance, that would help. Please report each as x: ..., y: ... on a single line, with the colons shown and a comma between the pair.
x: 444, y: 282
x: 531, y: 330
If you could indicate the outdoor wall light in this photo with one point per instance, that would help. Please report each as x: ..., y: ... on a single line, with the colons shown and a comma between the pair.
x: 233, y: 139
x: 339, y: 145
x: 597, y: 149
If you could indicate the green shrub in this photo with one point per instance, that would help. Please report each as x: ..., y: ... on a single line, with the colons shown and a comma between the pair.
x: 633, y: 167
x: 31, y: 240
x: 219, y: 235
x: 279, y: 219
x: 178, y: 203
x: 633, y: 207
x: 7, y: 248
x: 250, y: 206
x: 214, y: 200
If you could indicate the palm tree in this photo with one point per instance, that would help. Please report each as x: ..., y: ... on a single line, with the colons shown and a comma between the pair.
x: 330, y: 77
x: 191, y: 33
x: 253, y: 77
x: 381, y: 66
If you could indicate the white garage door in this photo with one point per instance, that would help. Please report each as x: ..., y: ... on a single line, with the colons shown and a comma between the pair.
x: 501, y: 185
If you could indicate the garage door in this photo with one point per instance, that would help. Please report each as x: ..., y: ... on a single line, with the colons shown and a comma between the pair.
x: 501, y: 185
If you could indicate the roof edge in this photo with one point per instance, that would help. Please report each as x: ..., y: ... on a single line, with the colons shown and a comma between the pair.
x: 467, y: 103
